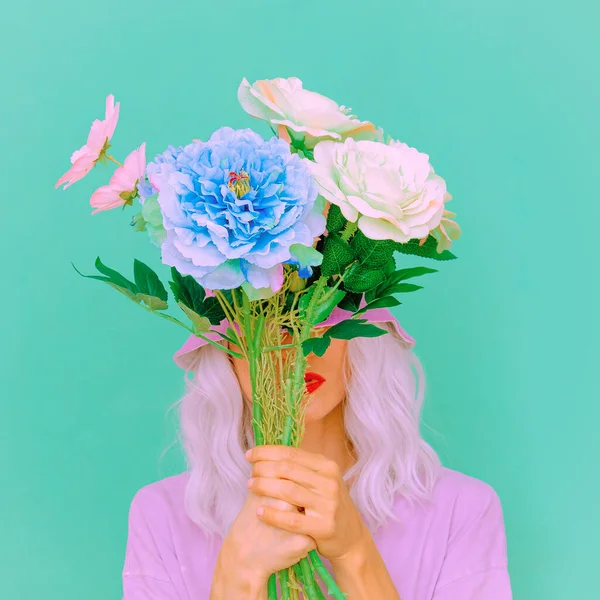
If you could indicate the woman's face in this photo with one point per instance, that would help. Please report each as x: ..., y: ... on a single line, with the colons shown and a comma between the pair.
x: 327, y: 396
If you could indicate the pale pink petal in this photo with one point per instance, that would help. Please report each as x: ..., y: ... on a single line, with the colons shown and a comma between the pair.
x: 96, y: 137
x: 85, y: 158
x: 101, y: 131
x: 105, y: 198
x: 83, y: 151
x: 112, y: 116
x: 81, y: 167
x: 125, y: 178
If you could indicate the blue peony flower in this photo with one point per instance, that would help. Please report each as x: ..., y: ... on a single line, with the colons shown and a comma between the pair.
x: 235, y: 209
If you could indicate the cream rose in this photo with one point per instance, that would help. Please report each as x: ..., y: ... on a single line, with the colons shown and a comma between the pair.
x: 391, y: 189
x: 447, y: 231
x: 284, y: 103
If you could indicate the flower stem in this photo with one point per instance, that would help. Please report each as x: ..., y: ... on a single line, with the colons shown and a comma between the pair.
x: 197, y: 334
x: 319, y: 592
x: 272, y: 348
x: 113, y: 159
x: 308, y: 579
x: 272, y: 587
x: 326, y: 576
x: 293, y: 391
x: 284, y: 584
x: 253, y: 343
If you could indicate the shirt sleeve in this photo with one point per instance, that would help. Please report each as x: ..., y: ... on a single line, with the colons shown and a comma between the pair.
x: 475, y: 566
x: 144, y: 574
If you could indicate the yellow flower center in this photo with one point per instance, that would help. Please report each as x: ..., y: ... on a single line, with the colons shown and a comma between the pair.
x: 239, y: 183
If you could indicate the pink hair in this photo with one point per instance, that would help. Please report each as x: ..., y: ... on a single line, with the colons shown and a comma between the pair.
x: 384, y: 393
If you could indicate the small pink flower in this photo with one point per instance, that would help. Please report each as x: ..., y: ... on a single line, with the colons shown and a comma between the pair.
x: 84, y: 159
x: 122, y: 188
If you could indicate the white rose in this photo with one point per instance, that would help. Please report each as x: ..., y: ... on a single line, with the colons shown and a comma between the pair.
x: 391, y: 189
x: 284, y: 103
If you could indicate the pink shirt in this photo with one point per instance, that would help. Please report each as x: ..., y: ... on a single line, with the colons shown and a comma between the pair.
x: 451, y: 549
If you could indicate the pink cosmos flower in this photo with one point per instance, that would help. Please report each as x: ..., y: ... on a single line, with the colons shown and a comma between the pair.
x: 122, y: 188
x: 88, y: 155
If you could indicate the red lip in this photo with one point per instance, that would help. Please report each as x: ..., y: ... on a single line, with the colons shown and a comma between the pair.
x: 313, y: 381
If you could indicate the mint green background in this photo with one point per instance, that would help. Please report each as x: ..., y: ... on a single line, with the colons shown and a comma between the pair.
x: 504, y: 98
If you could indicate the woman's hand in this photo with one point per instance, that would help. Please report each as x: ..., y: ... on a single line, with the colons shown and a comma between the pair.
x: 252, y: 550
x: 312, y: 483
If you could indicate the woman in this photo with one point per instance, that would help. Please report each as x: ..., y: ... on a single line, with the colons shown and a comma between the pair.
x: 364, y: 489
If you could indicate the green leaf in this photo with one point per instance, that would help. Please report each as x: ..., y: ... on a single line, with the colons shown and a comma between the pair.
x: 335, y: 219
x: 427, y: 250
x: 153, y: 302
x: 352, y: 328
x: 123, y: 290
x: 351, y: 301
x: 402, y: 288
x: 386, y: 302
x: 153, y: 219
x: 129, y: 290
x: 325, y: 307
x: 359, y: 278
x: 148, y: 281
x: 187, y: 291
x: 298, y: 144
x: 213, y: 310
x: 337, y: 255
x: 403, y: 274
x: 304, y: 301
x: 115, y: 277
x: 317, y: 345
x: 231, y: 336
x: 388, y: 286
x: 200, y: 324
x: 138, y: 223
x: 372, y: 253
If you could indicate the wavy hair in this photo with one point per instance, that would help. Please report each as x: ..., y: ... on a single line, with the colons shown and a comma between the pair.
x: 385, y: 386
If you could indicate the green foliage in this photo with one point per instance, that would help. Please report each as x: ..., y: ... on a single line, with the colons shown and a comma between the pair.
x: 298, y: 145
x: 149, y: 219
x: 189, y: 293
x: 351, y: 301
x: 147, y: 288
x: 385, y: 302
x: 304, y: 301
x: 337, y: 255
x: 326, y: 306
x: 345, y: 330
x: 353, y: 328
x: 317, y: 345
x: 150, y: 287
x: 361, y: 278
x: 372, y: 253
x: 427, y: 250
x: 335, y: 219
x: 393, y: 285
x: 199, y: 324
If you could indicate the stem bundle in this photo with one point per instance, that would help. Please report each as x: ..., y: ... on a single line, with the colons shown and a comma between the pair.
x: 278, y: 390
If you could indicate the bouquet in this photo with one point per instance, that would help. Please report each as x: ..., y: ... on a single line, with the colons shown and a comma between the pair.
x: 272, y: 233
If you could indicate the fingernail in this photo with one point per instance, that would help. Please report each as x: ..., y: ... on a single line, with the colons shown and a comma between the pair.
x: 248, y: 453
x: 260, y: 511
x: 250, y: 481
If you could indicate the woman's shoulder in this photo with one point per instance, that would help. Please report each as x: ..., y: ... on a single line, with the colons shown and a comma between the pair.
x: 465, y: 502
x: 463, y: 488
x: 162, y: 497
x: 456, y: 500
